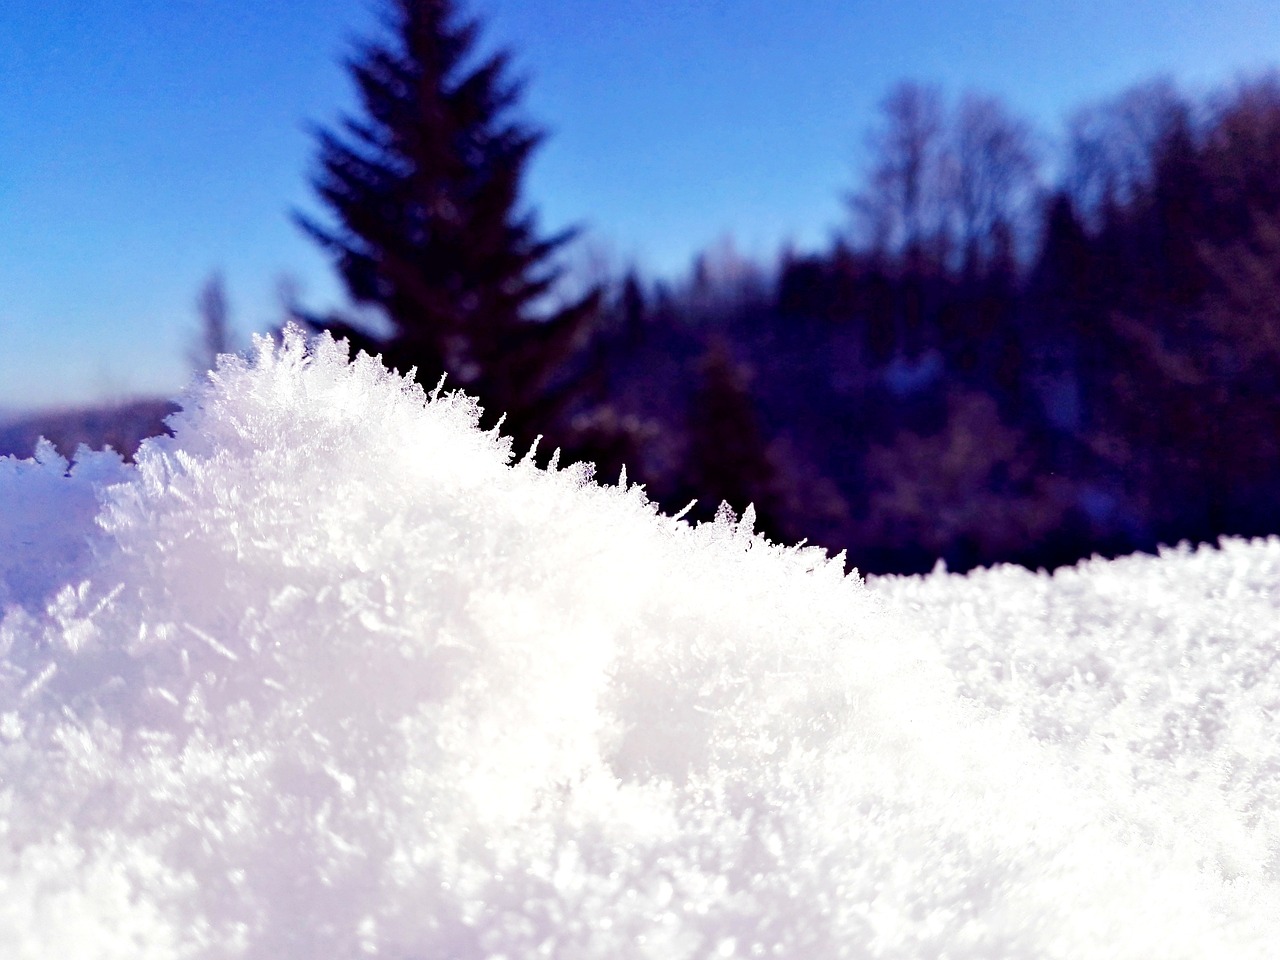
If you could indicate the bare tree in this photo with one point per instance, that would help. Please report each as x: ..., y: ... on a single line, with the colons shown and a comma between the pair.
x: 902, y: 212
x: 1112, y: 147
x: 996, y: 178
x: 1242, y: 155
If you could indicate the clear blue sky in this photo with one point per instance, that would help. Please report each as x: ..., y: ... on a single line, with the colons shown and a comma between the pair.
x: 145, y: 143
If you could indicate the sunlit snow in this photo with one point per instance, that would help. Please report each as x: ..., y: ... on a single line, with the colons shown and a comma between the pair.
x: 329, y: 674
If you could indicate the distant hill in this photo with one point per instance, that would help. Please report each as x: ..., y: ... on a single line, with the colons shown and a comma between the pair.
x: 120, y: 426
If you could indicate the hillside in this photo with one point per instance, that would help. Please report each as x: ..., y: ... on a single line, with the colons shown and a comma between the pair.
x: 121, y: 426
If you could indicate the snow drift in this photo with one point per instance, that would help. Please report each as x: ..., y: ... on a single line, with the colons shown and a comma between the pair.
x: 328, y: 675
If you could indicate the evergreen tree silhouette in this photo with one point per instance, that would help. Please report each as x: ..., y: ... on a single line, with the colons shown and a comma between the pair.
x: 728, y: 458
x: 215, y: 334
x: 1065, y: 332
x: 424, y: 191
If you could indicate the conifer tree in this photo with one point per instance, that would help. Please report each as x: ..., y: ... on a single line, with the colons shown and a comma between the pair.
x: 424, y: 191
x: 215, y: 333
x: 728, y: 458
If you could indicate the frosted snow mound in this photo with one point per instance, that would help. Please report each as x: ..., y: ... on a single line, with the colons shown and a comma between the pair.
x: 46, y: 524
x: 1157, y: 677
x: 331, y: 676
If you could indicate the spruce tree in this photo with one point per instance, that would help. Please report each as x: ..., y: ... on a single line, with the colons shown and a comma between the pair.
x: 215, y: 334
x: 728, y: 458
x: 424, y: 191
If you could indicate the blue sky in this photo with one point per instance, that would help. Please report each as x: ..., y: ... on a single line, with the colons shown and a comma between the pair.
x: 145, y: 143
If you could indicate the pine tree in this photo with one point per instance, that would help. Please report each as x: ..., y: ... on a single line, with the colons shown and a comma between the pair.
x: 728, y: 457
x: 215, y: 333
x: 424, y: 191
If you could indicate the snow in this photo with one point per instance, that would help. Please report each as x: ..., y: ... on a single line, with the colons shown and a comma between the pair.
x: 330, y: 673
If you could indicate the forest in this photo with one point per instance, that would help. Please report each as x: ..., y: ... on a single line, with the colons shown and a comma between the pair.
x: 990, y: 364
x: 1009, y: 354
x: 1015, y: 348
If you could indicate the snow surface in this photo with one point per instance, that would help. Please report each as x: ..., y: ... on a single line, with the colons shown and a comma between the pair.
x: 327, y: 675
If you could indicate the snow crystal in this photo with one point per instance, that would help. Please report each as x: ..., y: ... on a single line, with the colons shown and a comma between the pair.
x: 331, y: 673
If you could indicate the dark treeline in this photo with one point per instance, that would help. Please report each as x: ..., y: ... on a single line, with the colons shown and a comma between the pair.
x: 987, y: 365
